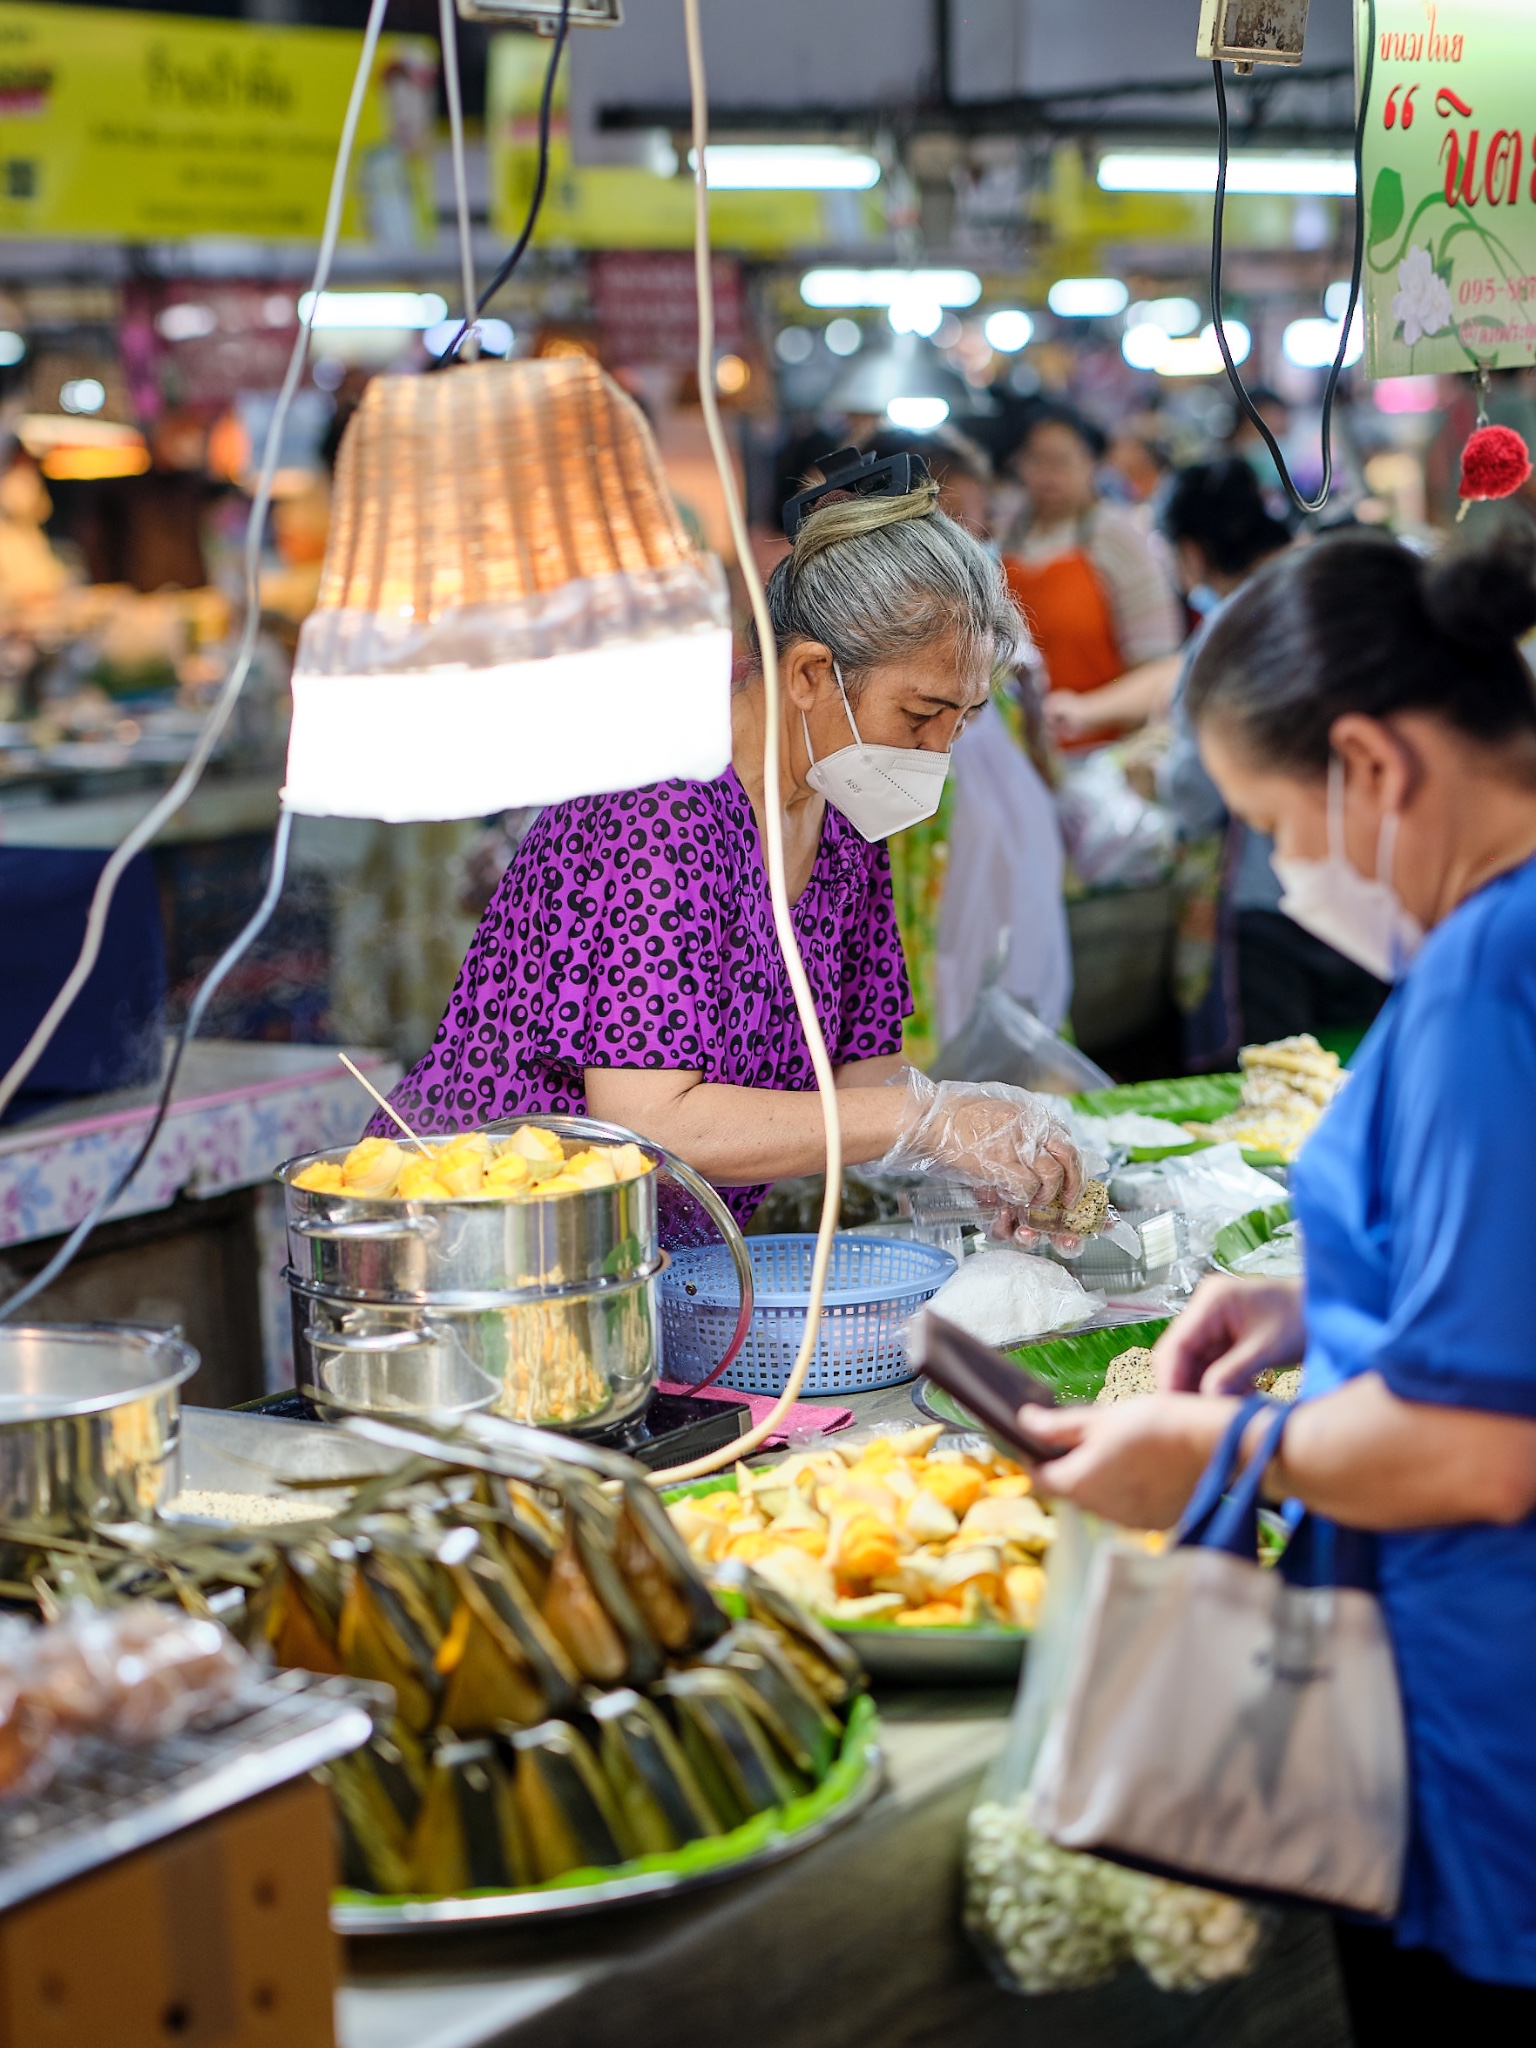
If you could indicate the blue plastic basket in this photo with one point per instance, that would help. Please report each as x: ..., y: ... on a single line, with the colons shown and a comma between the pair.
x: 874, y: 1286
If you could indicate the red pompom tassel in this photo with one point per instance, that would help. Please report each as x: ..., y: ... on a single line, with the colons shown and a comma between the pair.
x: 1494, y: 463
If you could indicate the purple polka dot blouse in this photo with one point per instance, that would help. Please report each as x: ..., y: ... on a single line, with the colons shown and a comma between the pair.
x: 635, y: 931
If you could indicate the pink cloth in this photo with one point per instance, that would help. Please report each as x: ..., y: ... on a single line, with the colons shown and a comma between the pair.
x: 804, y: 1419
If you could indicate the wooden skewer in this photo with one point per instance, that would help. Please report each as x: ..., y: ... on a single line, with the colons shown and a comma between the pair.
x: 388, y: 1107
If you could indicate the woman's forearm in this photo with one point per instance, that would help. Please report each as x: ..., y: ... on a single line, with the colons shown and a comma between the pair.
x: 738, y: 1136
x: 1363, y: 1456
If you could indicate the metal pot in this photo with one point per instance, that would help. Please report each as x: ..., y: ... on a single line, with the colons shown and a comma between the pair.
x: 90, y: 1422
x: 544, y: 1308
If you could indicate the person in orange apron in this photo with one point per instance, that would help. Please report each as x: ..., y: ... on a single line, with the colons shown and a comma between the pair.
x: 1101, y: 611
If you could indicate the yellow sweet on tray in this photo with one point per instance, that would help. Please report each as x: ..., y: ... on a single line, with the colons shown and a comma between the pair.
x: 895, y: 1531
x: 474, y: 1165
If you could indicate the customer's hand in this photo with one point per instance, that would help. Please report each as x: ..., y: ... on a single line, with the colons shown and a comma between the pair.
x: 1231, y: 1330
x: 1135, y: 1462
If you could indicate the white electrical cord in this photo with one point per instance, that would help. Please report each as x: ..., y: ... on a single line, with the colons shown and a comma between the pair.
x: 449, y: 26
x: 773, y: 813
x: 234, y: 682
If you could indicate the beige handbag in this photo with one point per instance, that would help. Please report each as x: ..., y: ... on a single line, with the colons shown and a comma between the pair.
x: 1229, y: 1723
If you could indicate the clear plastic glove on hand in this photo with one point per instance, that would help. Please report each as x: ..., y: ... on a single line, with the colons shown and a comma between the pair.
x: 998, y: 1138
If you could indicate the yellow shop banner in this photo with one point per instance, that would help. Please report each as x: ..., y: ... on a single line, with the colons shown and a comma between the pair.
x: 148, y: 127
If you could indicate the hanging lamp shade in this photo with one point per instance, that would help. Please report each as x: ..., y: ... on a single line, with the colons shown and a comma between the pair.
x: 511, y: 609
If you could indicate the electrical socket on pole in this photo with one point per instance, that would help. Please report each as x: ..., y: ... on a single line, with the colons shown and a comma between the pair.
x: 1243, y: 33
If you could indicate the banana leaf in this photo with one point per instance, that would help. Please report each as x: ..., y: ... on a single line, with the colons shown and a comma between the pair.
x: 1200, y: 1098
x: 856, y: 1759
x: 1233, y: 1240
x: 1189, y: 1098
x: 1074, y: 1365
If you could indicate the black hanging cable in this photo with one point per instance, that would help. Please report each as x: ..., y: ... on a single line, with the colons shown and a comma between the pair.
x: 1304, y: 505
x: 515, y: 254
x: 113, y: 1191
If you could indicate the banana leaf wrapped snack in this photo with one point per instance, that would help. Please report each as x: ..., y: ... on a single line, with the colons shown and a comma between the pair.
x: 570, y: 1692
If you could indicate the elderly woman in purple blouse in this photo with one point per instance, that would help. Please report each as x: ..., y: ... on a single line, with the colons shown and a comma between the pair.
x: 627, y: 967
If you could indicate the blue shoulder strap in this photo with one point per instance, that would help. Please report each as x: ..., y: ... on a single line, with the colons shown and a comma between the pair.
x: 1206, y: 1501
x: 1223, y: 1512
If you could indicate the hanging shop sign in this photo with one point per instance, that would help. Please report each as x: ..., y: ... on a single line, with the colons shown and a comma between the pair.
x: 617, y: 206
x: 150, y: 127
x: 1450, y: 178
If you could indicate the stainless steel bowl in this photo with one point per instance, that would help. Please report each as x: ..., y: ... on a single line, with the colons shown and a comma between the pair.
x: 580, y: 1362
x: 552, y: 1299
x: 400, y: 1251
x: 90, y: 1419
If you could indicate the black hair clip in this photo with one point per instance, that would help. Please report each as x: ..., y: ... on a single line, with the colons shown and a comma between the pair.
x: 865, y: 476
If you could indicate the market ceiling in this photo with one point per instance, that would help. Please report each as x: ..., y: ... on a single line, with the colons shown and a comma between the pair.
x: 968, y: 67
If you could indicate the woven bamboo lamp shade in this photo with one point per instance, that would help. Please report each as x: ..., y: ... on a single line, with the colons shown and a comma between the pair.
x: 511, y: 610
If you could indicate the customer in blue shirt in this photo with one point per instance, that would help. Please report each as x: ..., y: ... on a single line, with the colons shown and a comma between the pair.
x: 1373, y: 711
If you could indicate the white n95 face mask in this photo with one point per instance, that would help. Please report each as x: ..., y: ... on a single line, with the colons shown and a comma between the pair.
x: 879, y: 790
x: 1364, y: 919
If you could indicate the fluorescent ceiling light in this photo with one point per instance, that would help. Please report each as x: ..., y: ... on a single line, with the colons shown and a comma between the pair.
x: 1087, y: 298
x: 1173, y: 316
x: 1147, y: 346
x: 374, y: 309
x: 786, y: 167
x: 12, y: 348
x: 844, y: 337
x: 1336, y: 299
x: 1008, y: 330
x: 918, y: 415
x: 1147, y: 170
x: 887, y: 287
x: 914, y: 314
x: 794, y: 345
x: 1313, y: 344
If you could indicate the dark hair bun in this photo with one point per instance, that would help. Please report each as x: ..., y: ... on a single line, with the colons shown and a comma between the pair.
x: 1485, y: 596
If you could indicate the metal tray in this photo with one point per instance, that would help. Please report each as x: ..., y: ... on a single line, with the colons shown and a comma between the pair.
x: 498, y: 1909
x: 938, y: 1656
x: 108, y: 1800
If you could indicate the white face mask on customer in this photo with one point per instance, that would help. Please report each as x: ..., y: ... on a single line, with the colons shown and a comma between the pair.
x: 879, y: 790
x: 1364, y: 919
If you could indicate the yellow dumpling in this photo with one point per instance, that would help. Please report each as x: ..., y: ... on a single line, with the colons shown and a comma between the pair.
x: 461, y: 1169
x: 538, y: 1146
x: 323, y: 1178
x: 592, y: 1169
x: 419, y: 1182
x: 372, y: 1166
x: 628, y: 1162
x: 506, y: 1174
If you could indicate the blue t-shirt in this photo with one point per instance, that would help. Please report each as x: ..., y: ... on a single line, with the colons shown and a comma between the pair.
x: 1415, y: 1200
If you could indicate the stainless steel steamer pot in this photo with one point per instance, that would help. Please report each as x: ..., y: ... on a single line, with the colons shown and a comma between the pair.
x: 90, y: 1422
x: 544, y: 1308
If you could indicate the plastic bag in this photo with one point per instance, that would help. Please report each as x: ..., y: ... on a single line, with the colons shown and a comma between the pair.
x: 1002, y: 1040
x: 1052, y: 1919
x: 1114, y: 837
x: 139, y: 1673
x: 1001, y: 1296
x: 1212, y: 1189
